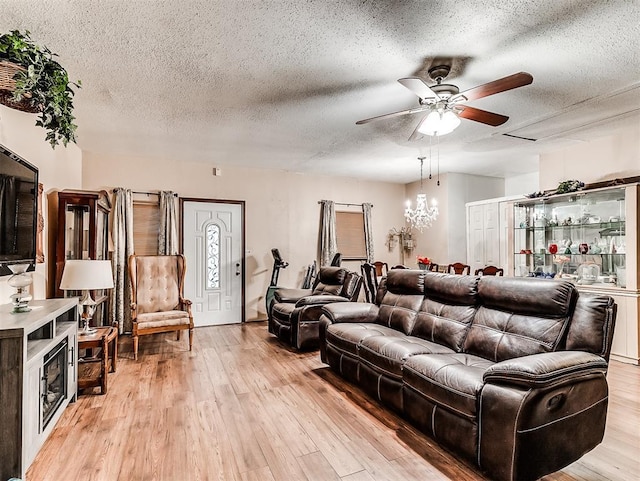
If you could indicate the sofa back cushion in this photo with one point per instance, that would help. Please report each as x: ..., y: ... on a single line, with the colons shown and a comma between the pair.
x: 330, y: 281
x: 402, y: 299
x: 449, y: 306
x: 592, y: 324
x: 519, y: 316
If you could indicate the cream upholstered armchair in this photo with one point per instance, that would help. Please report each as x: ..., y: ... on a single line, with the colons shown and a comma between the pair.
x: 157, y: 302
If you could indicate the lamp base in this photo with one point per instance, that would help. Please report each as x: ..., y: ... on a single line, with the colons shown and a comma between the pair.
x: 88, y: 307
x: 87, y: 330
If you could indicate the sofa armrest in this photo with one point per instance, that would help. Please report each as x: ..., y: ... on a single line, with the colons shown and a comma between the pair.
x: 350, y: 312
x: 320, y: 300
x: 290, y: 295
x: 545, y: 369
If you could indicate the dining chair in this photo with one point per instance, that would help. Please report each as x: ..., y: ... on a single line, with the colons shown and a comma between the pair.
x: 370, y: 281
x: 382, y: 269
x: 458, y: 268
x: 490, y: 271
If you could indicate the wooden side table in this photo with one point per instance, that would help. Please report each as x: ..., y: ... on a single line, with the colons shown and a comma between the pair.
x: 100, y: 352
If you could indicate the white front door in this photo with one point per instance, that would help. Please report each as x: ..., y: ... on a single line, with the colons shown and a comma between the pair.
x: 212, y: 241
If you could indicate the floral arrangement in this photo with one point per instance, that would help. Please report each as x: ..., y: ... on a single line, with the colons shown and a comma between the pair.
x: 564, y: 187
x: 423, y: 260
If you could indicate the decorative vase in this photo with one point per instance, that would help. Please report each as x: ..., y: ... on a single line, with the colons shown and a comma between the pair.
x: 20, y: 280
x: 553, y: 248
x: 583, y: 248
x: 423, y: 267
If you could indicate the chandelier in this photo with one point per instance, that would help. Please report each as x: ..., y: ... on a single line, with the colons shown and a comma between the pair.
x: 423, y: 215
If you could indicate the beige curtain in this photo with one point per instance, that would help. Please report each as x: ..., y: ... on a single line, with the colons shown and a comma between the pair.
x: 122, y: 249
x: 168, y: 235
x: 328, y: 240
x: 368, y: 231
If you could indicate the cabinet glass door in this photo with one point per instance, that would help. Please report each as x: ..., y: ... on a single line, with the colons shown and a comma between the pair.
x: 579, y: 236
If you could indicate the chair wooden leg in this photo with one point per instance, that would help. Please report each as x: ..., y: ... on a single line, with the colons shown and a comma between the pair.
x: 190, y: 338
x: 135, y: 347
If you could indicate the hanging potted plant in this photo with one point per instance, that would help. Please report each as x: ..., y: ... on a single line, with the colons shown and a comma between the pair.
x: 32, y: 81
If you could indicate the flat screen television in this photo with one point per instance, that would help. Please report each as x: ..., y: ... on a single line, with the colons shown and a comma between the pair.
x: 18, y: 211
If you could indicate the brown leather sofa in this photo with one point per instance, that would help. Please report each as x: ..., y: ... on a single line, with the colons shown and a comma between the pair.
x: 508, y: 372
x: 294, y: 313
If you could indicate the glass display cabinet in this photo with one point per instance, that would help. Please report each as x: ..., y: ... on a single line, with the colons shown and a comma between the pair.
x: 590, y: 238
x: 83, y: 233
x: 582, y: 236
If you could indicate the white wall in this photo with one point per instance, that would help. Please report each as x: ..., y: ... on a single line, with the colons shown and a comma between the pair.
x: 282, y: 209
x: 521, y: 184
x: 58, y: 169
x: 604, y: 158
x: 446, y: 241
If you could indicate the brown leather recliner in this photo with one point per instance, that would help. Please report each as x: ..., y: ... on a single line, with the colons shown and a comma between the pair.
x: 294, y: 313
x: 509, y: 373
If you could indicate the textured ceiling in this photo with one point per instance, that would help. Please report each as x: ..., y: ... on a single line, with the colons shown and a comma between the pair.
x: 280, y: 84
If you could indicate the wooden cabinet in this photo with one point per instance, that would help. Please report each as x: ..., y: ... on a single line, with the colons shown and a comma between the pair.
x: 38, y: 377
x: 83, y: 233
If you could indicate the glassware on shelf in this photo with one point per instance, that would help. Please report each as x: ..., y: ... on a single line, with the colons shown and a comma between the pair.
x: 579, y: 237
x: 588, y: 274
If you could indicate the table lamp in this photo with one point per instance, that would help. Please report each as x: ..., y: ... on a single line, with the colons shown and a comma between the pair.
x: 85, y: 276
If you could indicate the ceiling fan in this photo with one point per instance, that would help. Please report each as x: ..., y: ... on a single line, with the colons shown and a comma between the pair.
x: 444, y: 103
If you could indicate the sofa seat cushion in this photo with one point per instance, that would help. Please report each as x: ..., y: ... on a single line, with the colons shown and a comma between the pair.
x: 453, y: 381
x: 281, y: 311
x: 387, y: 354
x: 348, y: 336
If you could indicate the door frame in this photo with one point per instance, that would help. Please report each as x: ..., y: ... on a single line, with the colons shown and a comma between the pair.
x: 241, y: 203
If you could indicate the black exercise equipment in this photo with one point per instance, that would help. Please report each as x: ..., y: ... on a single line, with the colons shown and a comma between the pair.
x: 278, y: 264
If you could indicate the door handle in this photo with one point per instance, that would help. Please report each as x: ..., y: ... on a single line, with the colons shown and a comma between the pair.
x: 237, y: 268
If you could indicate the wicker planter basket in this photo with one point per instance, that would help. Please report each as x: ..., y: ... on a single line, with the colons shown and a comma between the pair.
x: 8, y: 85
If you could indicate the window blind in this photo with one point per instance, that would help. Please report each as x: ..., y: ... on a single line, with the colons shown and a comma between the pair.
x: 350, y: 235
x: 146, y: 226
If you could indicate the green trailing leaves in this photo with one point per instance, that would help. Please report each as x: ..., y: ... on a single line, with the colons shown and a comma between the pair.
x: 45, y: 83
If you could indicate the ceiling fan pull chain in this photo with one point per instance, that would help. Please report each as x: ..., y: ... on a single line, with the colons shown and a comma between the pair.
x: 438, y: 140
x: 430, y: 155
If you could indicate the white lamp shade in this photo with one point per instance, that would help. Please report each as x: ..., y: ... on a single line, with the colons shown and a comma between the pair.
x: 439, y: 123
x: 86, y: 275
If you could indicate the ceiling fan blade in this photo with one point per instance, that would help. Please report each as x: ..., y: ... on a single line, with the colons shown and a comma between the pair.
x: 501, y: 85
x: 394, y: 114
x: 479, y: 115
x: 418, y: 87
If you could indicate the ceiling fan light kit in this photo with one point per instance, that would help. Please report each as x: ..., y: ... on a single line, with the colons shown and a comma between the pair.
x: 439, y: 122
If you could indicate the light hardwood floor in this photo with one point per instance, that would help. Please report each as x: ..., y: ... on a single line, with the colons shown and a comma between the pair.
x: 242, y: 406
